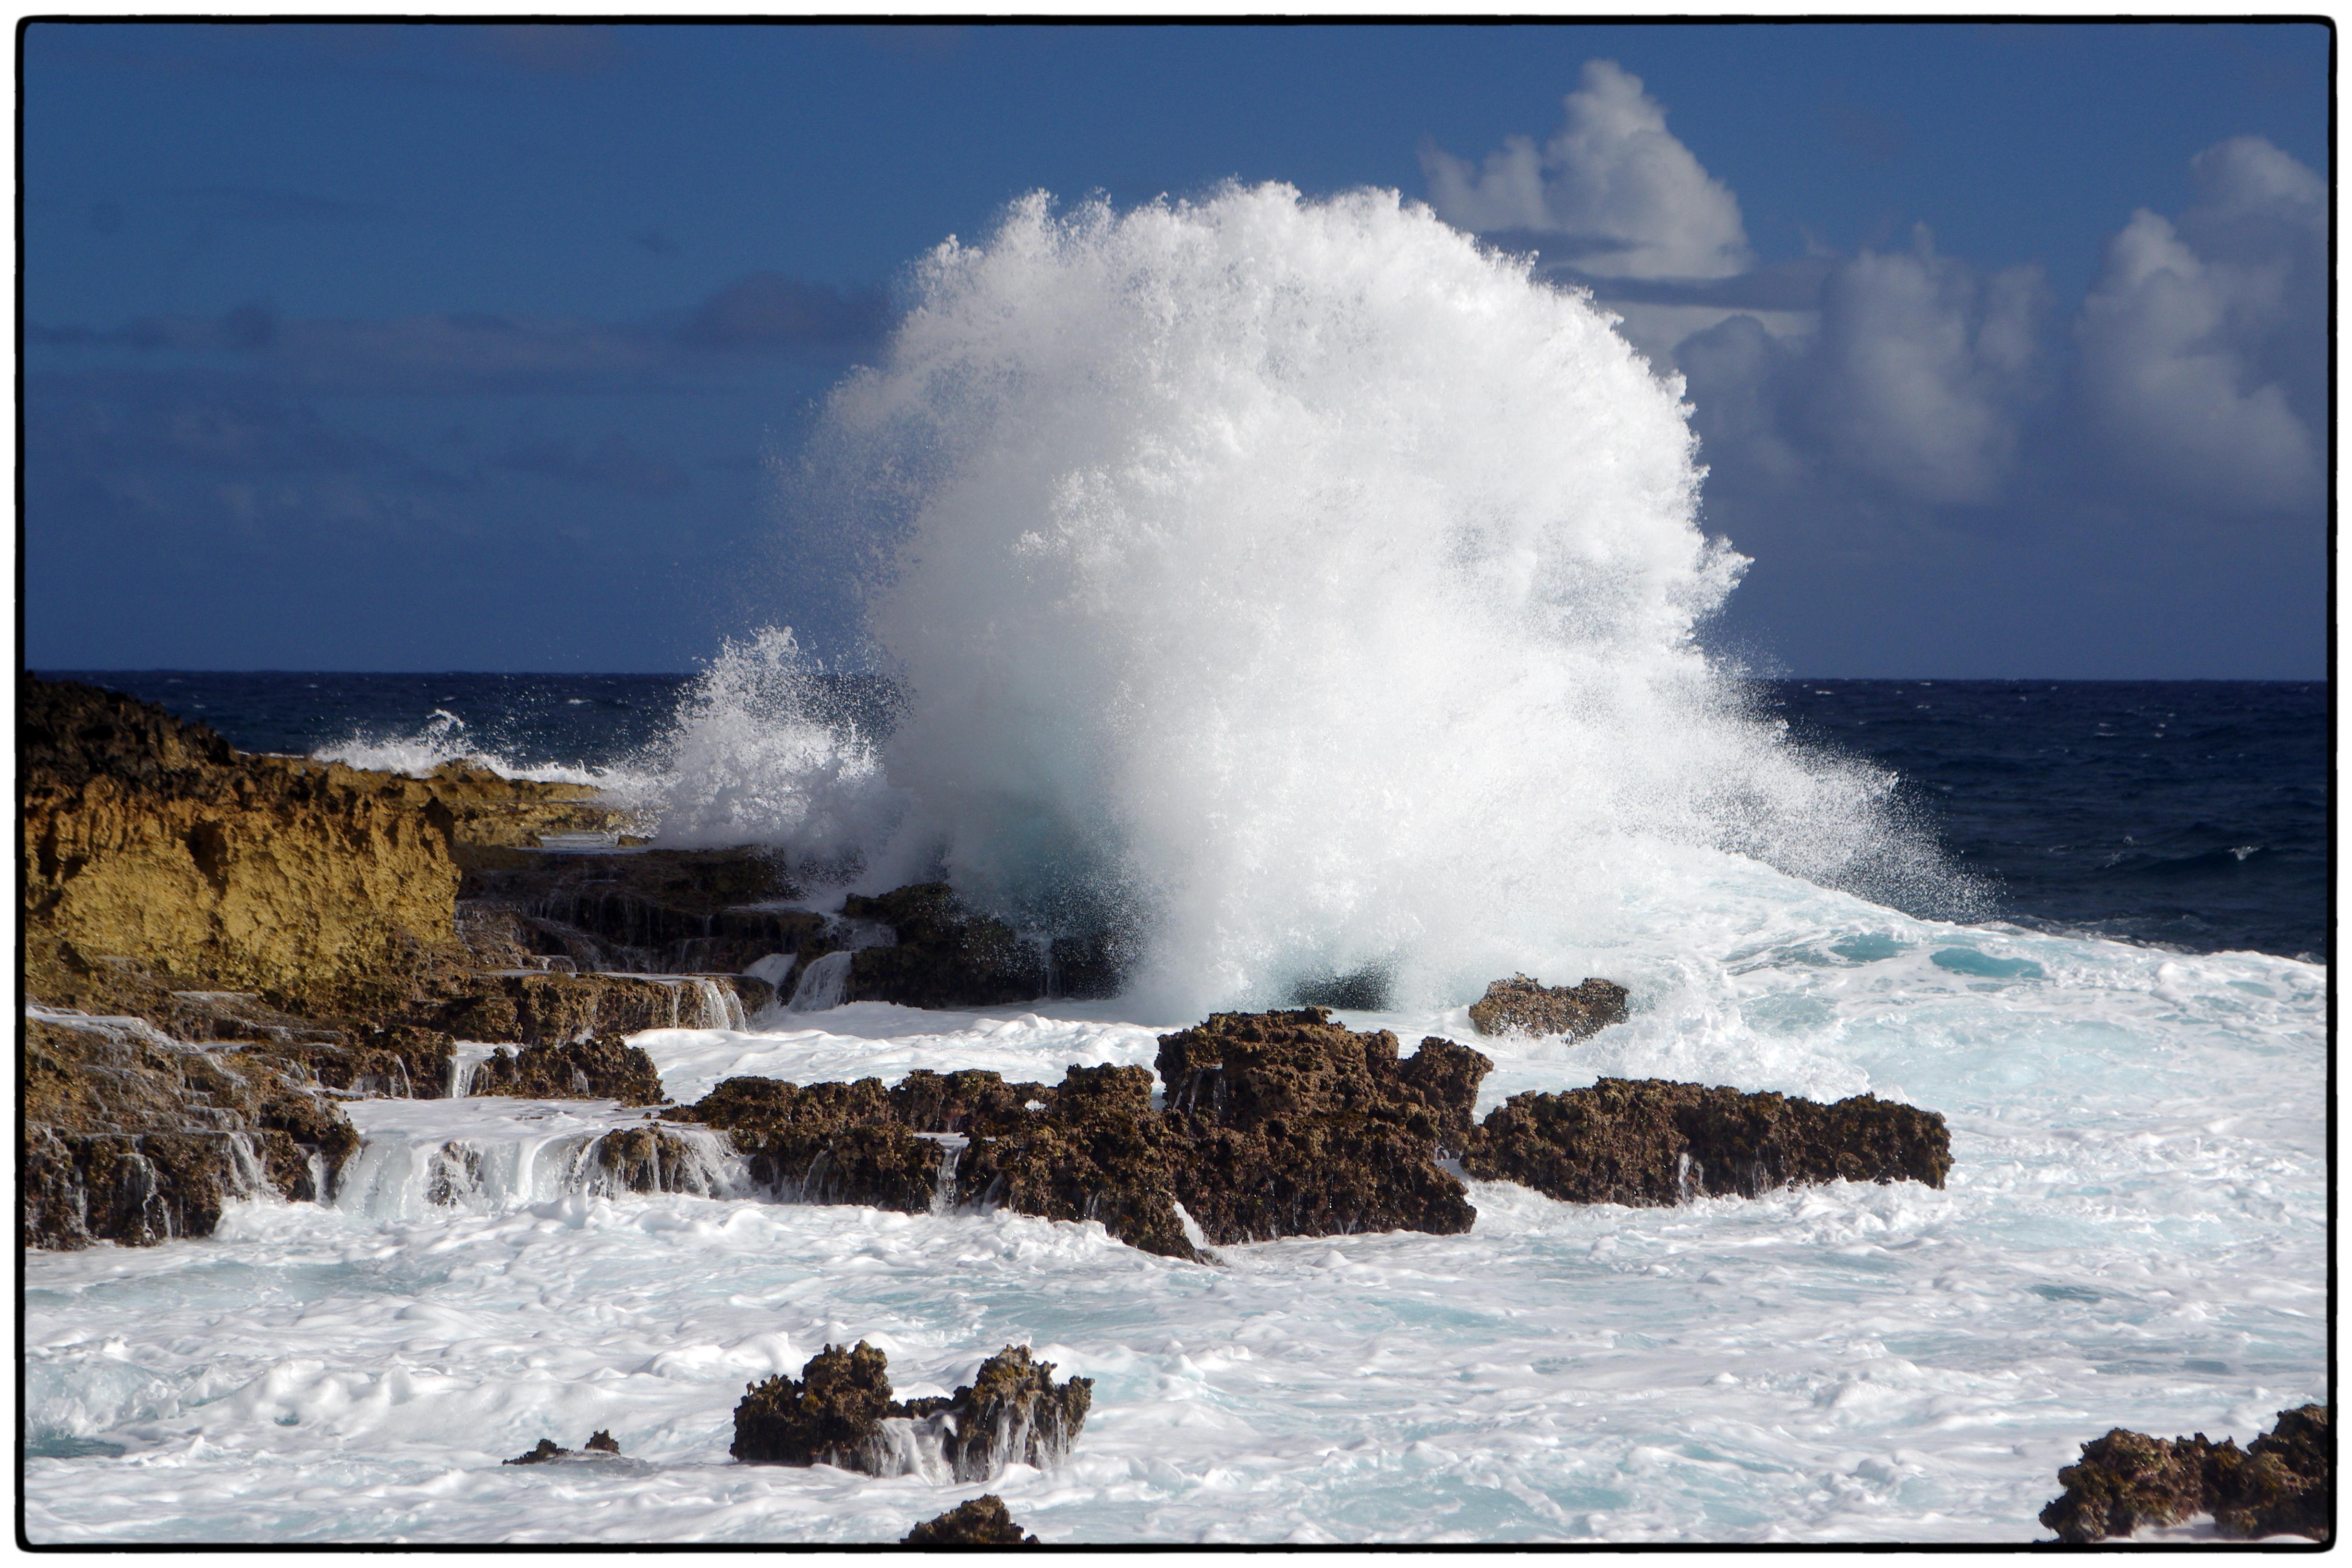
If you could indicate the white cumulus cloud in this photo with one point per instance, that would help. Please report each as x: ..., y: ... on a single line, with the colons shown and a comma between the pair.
x: 2203, y: 372
x: 1629, y: 199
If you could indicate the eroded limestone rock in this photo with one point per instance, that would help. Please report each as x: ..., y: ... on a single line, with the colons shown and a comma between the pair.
x: 1647, y: 1141
x: 2282, y: 1483
x: 1523, y: 1006
x: 983, y: 1521
x: 604, y: 1068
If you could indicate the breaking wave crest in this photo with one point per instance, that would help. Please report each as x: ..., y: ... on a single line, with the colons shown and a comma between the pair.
x: 1296, y: 583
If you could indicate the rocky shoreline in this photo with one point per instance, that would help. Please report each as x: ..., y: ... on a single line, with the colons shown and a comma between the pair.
x: 221, y: 949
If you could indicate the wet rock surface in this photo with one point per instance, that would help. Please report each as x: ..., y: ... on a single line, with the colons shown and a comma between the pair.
x: 840, y: 1412
x: 983, y: 1521
x: 1294, y: 1125
x: 536, y: 1009
x: 132, y: 1137
x: 1012, y: 1413
x: 831, y: 1415
x: 946, y: 955
x: 1648, y: 1142
x: 1523, y: 1006
x: 1276, y: 1124
x: 2282, y: 1483
x: 605, y: 1067
x: 675, y: 911
x: 547, y: 1450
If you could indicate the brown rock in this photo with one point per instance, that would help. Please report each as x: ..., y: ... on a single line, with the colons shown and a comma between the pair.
x: 2284, y: 1483
x: 1523, y: 1006
x: 1647, y: 1143
x: 131, y: 1137
x: 831, y: 1415
x: 605, y: 1067
x: 1010, y: 1413
x: 983, y: 1521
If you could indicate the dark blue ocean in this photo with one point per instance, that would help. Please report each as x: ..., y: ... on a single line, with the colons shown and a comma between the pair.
x: 2191, y: 815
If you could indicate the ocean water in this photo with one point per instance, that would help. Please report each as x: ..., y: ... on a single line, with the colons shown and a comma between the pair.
x: 1309, y: 596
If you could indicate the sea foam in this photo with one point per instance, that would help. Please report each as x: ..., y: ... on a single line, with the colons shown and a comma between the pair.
x: 1298, y: 585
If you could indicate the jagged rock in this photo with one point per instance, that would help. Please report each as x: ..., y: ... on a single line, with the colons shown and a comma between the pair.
x: 322, y: 888
x: 1646, y: 1142
x: 1523, y: 1006
x: 536, y: 1009
x: 1099, y: 1152
x: 2282, y: 1483
x: 1012, y: 1413
x: 983, y: 1521
x: 831, y: 1415
x: 132, y: 1137
x: 2124, y: 1481
x: 1276, y: 1124
x: 601, y: 1442
x: 1296, y: 1126
x: 605, y: 1067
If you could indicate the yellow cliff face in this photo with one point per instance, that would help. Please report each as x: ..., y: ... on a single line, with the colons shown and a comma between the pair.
x: 152, y: 844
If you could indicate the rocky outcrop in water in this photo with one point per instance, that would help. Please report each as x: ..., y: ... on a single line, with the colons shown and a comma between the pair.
x: 1523, y: 1006
x: 840, y: 1412
x: 946, y: 955
x: 2282, y: 1483
x: 1647, y: 1141
x: 676, y: 912
x: 1012, y: 1413
x: 983, y: 1521
x: 831, y: 1415
x: 1293, y: 1125
x: 547, y: 1449
x: 605, y: 1067
x: 1276, y: 1124
x: 131, y: 1136
x: 540, y: 1009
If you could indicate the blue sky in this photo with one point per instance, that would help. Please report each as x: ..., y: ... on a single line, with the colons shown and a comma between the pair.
x: 473, y: 347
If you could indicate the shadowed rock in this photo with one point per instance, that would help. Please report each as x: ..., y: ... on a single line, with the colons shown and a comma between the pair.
x: 983, y: 1521
x: 1012, y: 1413
x: 839, y: 1412
x: 546, y: 1450
x: 2282, y: 1483
x: 536, y: 1009
x: 1523, y: 1006
x: 1646, y: 1142
x: 831, y: 1415
x: 603, y: 1069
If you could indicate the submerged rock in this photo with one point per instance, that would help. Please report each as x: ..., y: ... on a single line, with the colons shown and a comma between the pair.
x: 605, y: 1067
x: 2282, y: 1483
x: 1523, y: 1006
x: 600, y: 1443
x: 983, y: 1521
x: 1648, y: 1142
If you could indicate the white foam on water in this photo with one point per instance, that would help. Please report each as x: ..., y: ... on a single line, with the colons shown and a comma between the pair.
x: 2133, y: 1235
